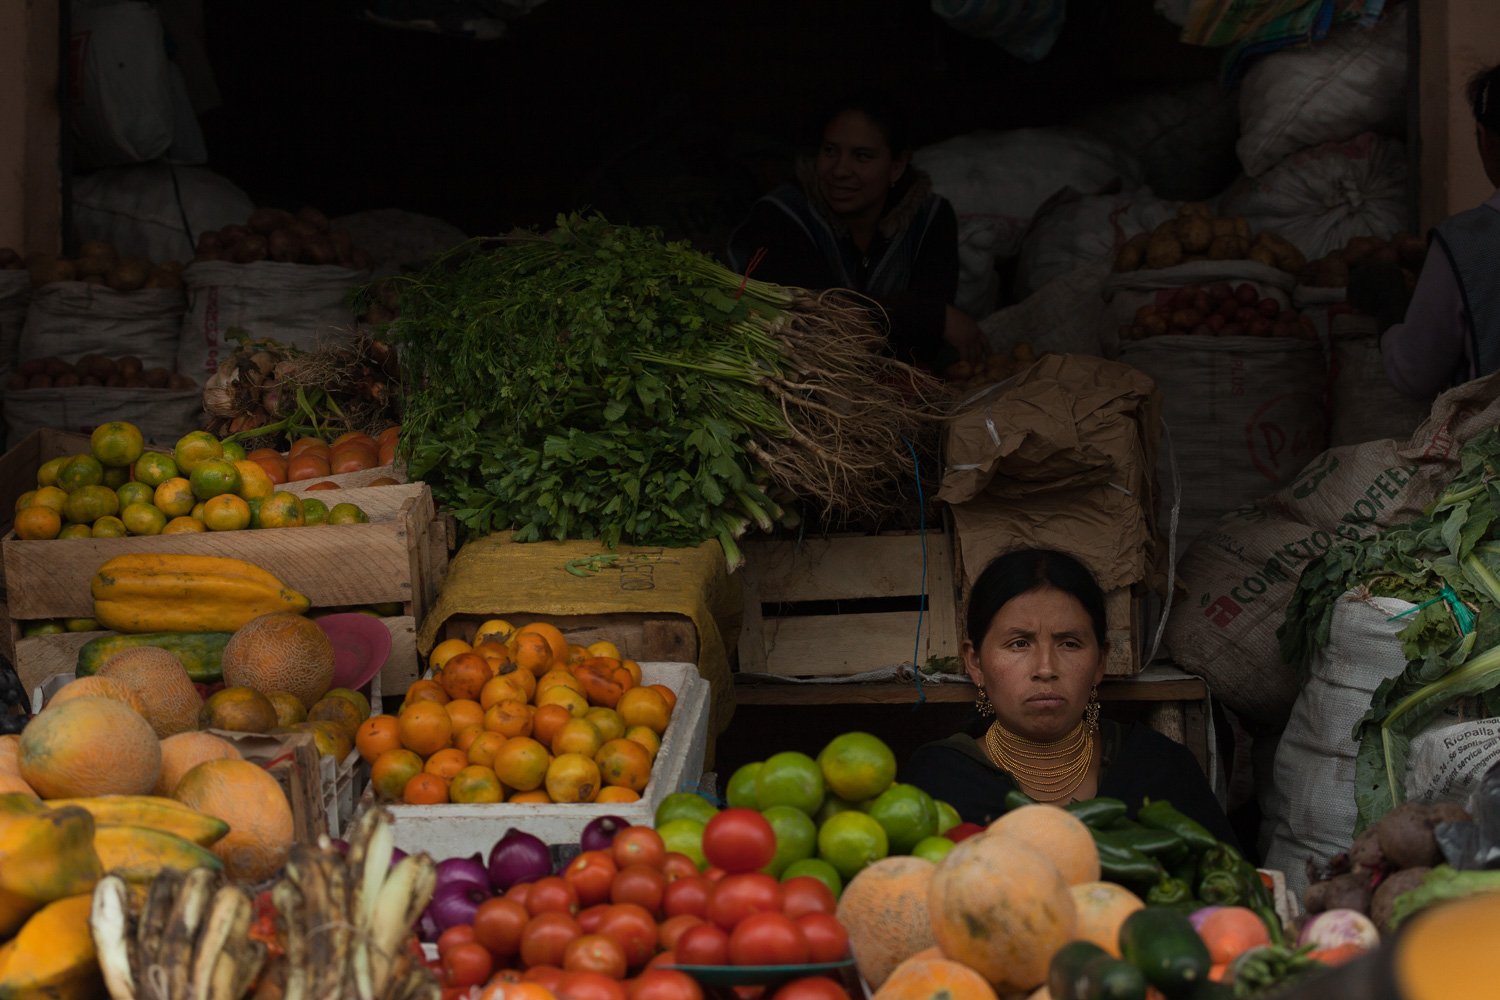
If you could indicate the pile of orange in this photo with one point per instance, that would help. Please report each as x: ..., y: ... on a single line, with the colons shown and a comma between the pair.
x: 520, y: 715
x: 311, y: 457
x: 118, y: 488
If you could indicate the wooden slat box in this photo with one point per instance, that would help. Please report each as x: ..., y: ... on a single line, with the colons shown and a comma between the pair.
x: 401, y: 555
x: 823, y: 607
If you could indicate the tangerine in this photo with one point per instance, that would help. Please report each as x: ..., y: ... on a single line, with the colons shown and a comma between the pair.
x: 522, y: 763
x: 547, y: 720
x: 465, y: 675
x: 233, y: 450
x: 214, y: 477
x: 495, y: 628
x: 194, y: 448
x: 537, y: 796
x: 143, y: 519
x: 49, y: 496
x: 445, y: 650
x: 552, y: 634
x: 80, y: 470
x: 617, y: 793
x: 575, y: 703
x: 465, y: 712
x: 495, y: 651
x: 117, y: 443
x: 645, y: 706
x: 558, y: 678
x: 604, y: 648
x: 607, y: 721
x: 391, y: 770
x: 426, y: 689
x: 425, y: 727
x: 175, y: 497
x: 108, y: 527
x: 624, y: 762
x: 347, y: 513
x: 465, y: 737
x: 115, y: 476
x: 76, y: 531
x: 572, y: 777
x: 153, y: 468
x: 509, y: 718
x: 646, y: 737
x: 134, y: 492
x: 47, y: 474
x: 577, y: 736
x: 425, y: 790
x: 485, y: 746
x: 446, y: 763
x: 289, y: 708
x: 226, y: 512
x: 36, y: 523
x: 475, y: 783
x: 314, y: 511
x: 87, y: 504
x: 662, y: 689
x: 254, y: 481
x: 532, y: 652
x: 183, y: 526
x: 498, y: 689
x: 523, y: 679
x: 280, y: 510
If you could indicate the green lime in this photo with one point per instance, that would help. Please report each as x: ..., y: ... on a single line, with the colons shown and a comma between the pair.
x: 47, y: 474
x: 254, y: 504
x: 80, y: 470
x: 108, y: 527
x: 796, y: 837
x: 789, y: 778
x: 850, y: 841
x: 314, y: 511
x: 857, y: 766
x: 76, y: 531
x: 832, y: 806
x: 686, y: 837
x: 134, y: 492
x: 87, y: 504
x: 818, y: 869
x: 684, y: 805
x: 45, y: 627
x: 81, y: 624
x: 948, y: 816
x: 154, y: 468
x: 933, y: 849
x: 907, y: 814
x: 740, y: 792
x: 233, y: 450
x: 214, y: 477
x: 115, y: 476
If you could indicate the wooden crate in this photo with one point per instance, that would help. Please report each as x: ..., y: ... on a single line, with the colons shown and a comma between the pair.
x: 42, y: 656
x: 844, y: 604
x: 400, y: 556
x: 19, y: 465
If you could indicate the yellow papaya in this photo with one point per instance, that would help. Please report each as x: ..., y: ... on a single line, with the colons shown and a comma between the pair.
x: 53, y: 955
x: 138, y: 853
x: 153, y: 812
x: 166, y: 592
x: 44, y: 856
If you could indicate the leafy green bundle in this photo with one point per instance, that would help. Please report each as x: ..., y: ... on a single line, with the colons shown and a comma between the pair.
x: 1448, y: 563
x: 598, y: 382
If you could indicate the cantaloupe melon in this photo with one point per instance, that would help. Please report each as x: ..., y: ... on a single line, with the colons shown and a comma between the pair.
x: 1102, y: 908
x: 90, y: 746
x: 280, y: 652
x: 103, y: 687
x: 884, y: 908
x: 185, y: 751
x: 15, y: 783
x: 1001, y: 908
x: 246, y: 797
x: 1056, y: 833
x: 10, y: 754
x: 934, y: 979
x: 161, y: 682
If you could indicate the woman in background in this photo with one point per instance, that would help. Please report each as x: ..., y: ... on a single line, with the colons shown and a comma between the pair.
x: 861, y: 217
x: 1036, y: 648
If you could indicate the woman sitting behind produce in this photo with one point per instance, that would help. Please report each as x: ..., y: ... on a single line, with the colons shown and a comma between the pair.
x: 1036, y: 648
x: 1452, y: 329
x: 861, y: 217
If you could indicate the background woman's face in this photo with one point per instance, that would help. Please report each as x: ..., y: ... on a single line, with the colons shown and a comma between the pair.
x: 855, y: 166
x: 1038, y: 662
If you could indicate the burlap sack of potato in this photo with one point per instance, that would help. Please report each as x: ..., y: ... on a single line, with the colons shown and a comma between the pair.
x: 68, y: 319
x: 1127, y: 292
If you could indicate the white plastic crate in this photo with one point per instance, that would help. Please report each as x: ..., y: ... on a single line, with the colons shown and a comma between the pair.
x: 455, y: 831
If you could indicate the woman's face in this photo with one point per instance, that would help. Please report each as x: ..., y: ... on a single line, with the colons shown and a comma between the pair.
x: 855, y: 167
x: 1038, y: 662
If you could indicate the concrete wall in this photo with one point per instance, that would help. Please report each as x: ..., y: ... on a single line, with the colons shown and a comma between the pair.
x: 30, y: 190
x: 1457, y: 37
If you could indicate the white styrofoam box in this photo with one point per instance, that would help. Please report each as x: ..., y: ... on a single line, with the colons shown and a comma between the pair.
x: 456, y: 831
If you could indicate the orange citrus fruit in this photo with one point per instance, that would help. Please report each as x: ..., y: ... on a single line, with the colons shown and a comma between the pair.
x: 558, y: 678
x: 537, y: 796
x: 575, y: 703
x: 314, y: 511
x: 547, y: 720
x: 532, y: 652
x: 509, y: 718
x: 376, y: 735
x: 143, y: 519
x: 444, y: 651
x: 645, y: 706
x: 391, y: 770
x: 49, y: 496
x: 134, y: 492
x: 426, y: 689
x: 552, y: 634
x: 153, y: 468
x: 498, y: 689
x: 624, y: 762
x: 522, y: 763
x: 108, y: 527
x: 36, y: 523
x: 76, y: 531
x: 617, y: 793
x: 175, y: 497
x: 495, y: 628
x: 226, y: 512
x: 253, y: 480
x: 214, y: 477
x: 183, y: 526
x: 194, y: 448
x: 47, y: 474
x: 604, y: 648
x: 572, y: 777
x: 425, y: 727
x: 446, y: 763
x: 475, y: 783
x: 577, y: 736
x: 425, y: 790
x: 607, y: 721
x: 80, y: 470
x: 347, y: 513
x: 89, y: 503
x: 117, y: 443
x: 464, y: 712
x: 646, y: 737
x: 485, y: 746
x: 465, y: 737
x: 280, y: 510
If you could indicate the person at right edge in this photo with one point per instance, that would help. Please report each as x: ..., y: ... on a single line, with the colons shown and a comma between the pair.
x: 1451, y: 331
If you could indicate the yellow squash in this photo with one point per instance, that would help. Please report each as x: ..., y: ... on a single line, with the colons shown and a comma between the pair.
x: 165, y: 592
x: 138, y: 853
x: 53, y: 956
x: 45, y: 855
x: 153, y: 812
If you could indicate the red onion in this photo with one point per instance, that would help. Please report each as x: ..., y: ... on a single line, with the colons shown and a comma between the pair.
x: 468, y: 871
x: 600, y: 833
x: 454, y: 902
x: 518, y: 857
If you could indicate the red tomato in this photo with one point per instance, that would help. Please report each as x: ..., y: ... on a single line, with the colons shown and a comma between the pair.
x: 457, y: 934
x: 827, y: 939
x: 805, y: 894
x: 589, y: 986
x: 665, y: 984
x: 703, y: 945
x: 498, y: 924
x: 687, y: 895
x: 811, y: 988
x: 963, y: 831
x: 642, y: 885
x: 590, y: 874
x: 545, y: 938
x: 519, y: 892
x: 748, y: 992
x: 467, y: 964
x: 635, y: 928
x: 676, y: 865
x: 767, y: 939
x: 545, y: 976
x: 713, y: 873
x: 739, y: 840
x: 595, y: 953
x: 638, y: 845
x: 735, y: 897
x: 590, y: 918
x: 553, y: 894
x: 671, y: 928
x: 662, y: 958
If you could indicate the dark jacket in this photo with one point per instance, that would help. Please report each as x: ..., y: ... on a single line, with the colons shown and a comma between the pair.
x: 911, y: 269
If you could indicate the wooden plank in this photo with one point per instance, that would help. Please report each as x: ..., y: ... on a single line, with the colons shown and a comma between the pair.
x: 1124, y: 626
x: 941, y: 620
x: 843, y: 567
x: 832, y: 645
x: 334, y: 565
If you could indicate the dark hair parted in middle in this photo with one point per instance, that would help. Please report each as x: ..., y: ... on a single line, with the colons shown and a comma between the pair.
x: 882, y: 109
x: 1015, y: 573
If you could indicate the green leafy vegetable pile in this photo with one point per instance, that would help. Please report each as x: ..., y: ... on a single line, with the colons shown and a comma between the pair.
x: 598, y: 382
x: 1447, y: 562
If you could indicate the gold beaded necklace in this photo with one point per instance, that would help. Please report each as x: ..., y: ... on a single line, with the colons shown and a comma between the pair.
x: 1055, y: 781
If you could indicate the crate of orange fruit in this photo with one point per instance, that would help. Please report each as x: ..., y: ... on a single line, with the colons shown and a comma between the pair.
x: 522, y: 726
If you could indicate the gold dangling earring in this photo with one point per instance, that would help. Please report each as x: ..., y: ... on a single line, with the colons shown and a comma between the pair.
x: 1091, y: 712
x: 982, y: 704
